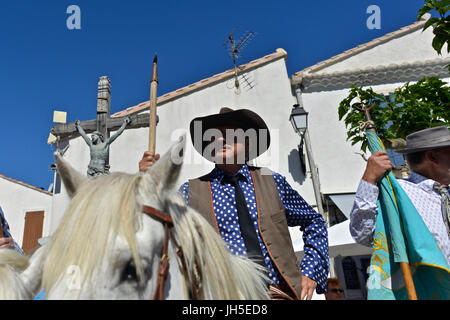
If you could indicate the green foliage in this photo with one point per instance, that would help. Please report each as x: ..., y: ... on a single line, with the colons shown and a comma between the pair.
x: 441, y: 24
x: 411, y: 108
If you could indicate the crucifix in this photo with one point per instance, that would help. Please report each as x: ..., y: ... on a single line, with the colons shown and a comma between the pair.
x: 100, y: 127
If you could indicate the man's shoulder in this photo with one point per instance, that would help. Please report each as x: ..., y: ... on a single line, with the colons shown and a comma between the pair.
x: 265, y: 171
x: 206, y: 177
x: 184, y: 185
x: 406, y: 183
x: 414, y: 189
x: 278, y: 178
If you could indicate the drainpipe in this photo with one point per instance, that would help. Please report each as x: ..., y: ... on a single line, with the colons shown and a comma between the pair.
x: 312, y: 165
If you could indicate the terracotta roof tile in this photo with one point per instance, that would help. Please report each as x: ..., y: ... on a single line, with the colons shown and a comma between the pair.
x: 25, y: 184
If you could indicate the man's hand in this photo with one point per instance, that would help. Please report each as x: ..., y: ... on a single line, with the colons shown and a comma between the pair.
x: 308, y: 287
x: 148, y: 159
x: 6, y: 243
x: 377, y: 165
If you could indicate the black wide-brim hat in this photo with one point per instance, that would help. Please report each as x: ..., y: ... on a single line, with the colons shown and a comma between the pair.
x: 431, y: 138
x: 242, y: 118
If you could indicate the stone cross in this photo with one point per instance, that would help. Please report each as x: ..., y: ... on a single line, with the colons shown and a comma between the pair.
x: 103, y: 105
x: 103, y: 123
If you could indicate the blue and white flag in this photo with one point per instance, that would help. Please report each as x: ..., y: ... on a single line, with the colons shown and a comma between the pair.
x: 402, y: 236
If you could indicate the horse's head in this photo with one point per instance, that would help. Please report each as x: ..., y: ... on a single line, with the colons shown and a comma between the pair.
x: 106, y: 248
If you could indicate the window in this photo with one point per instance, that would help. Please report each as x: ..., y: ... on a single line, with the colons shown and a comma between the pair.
x: 350, y: 273
x: 34, y: 221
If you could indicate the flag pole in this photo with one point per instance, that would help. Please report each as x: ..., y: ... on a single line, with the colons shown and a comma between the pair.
x: 152, y: 122
x: 404, y: 266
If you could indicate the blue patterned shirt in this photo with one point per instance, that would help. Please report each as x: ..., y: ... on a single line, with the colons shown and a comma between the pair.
x: 6, y: 232
x: 315, y: 263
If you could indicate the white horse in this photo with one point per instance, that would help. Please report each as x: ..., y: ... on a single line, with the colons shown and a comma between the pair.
x: 106, y: 248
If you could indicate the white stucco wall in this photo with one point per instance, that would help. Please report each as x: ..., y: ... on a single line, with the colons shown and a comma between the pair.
x: 17, y: 200
x: 271, y: 98
x: 340, y: 168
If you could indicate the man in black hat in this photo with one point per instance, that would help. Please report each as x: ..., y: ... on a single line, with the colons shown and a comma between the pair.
x: 251, y: 208
x: 427, y: 153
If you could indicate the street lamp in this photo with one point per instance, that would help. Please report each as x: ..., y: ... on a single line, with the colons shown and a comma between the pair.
x: 299, y: 119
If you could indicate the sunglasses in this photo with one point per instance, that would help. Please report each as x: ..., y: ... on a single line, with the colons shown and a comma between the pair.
x: 336, y: 290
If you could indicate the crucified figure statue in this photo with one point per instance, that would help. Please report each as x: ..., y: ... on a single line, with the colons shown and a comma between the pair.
x: 99, y: 148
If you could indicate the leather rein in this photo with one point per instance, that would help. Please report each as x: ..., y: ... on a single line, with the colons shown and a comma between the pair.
x: 164, y: 265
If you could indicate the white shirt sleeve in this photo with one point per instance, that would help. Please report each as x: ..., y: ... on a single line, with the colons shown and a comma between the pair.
x: 364, y: 213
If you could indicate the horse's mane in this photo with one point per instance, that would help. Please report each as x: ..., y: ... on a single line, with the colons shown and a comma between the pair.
x: 101, y: 209
x: 107, y: 206
x: 11, y: 286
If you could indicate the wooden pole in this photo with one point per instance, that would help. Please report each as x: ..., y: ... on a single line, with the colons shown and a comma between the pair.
x: 152, y: 121
x: 409, y: 283
x: 406, y: 270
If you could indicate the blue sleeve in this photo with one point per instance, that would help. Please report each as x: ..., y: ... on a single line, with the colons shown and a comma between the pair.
x: 7, y: 233
x: 40, y: 295
x: 184, y: 191
x: 315, y: 264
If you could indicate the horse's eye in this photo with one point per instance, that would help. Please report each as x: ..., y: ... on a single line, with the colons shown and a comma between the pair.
x: 129, y: 273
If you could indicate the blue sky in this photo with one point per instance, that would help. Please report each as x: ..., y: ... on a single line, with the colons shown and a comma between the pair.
x: 44, y: 66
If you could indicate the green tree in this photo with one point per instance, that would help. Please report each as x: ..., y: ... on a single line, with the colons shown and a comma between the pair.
x: 410, y: 108
x: 441, y: 24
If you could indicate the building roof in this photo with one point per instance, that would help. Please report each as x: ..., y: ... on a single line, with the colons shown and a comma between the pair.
x: 25, y: 184
x: 308, y: 72
x: 280, y: 53
x: 391, y: 73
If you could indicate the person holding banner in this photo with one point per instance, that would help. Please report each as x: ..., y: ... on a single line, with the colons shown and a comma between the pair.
x: 6, y: 240
x: 251, y: 208
x: 427, y: 153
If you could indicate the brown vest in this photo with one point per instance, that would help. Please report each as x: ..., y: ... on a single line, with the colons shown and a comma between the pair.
x: 273, y: 226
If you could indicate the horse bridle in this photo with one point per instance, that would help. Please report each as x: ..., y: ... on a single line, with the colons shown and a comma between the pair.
x: 164, y: 265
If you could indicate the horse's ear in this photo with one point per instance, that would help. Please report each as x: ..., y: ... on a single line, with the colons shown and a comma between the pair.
x: 71, y: 178
x: 166, y: 170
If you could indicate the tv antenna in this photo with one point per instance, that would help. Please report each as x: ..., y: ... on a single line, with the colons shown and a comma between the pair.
x: 235, y: 52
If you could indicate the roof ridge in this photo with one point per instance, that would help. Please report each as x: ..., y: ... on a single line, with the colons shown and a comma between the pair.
x: 279, y: 53
x: 384, y: 66
x: 375, y: 75
x: 25, y: 184
x: 362, y: 47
